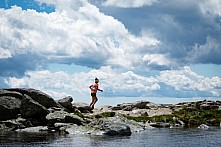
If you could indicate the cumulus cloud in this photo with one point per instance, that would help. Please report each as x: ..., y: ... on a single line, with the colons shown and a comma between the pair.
x: 120, y: 45
x: 117, y: 83
x: 181, y: 27
x: 157, y: 60
x: 114, y: 84
x: 77, y: 32
x: 129, y: 3
x: 187, y: 80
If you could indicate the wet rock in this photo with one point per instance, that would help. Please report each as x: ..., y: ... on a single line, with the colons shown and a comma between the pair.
x: 14, y: 124
x: 160, y: 125
x: 34, y: 129
x: 203, y: 126
x: 113, y: 129
x: 112, y: 124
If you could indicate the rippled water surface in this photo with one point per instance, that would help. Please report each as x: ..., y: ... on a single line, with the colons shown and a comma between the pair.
x: 148, y: 138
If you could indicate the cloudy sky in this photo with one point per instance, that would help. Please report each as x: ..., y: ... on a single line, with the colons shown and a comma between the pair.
x: 159, y: 50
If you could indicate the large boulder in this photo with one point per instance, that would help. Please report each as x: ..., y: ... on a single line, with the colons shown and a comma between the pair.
x: 113, y: 129
x: 39, y: 96
x: 9, y: 107
x: 111, y: 126
x: 100, y: 127
x: 32, y: 109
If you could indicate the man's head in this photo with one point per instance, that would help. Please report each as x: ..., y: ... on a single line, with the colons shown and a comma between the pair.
x: 96, y: 80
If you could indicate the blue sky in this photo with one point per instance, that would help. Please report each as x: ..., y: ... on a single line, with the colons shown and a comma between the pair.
x: 158, y: 50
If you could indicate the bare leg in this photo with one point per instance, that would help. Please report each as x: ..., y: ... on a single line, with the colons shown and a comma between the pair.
x: 94, y: 100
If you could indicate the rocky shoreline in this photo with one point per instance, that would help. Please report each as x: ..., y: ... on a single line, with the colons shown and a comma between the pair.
x: 31, y: 110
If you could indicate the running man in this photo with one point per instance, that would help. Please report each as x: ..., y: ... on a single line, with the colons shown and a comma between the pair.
x: 94, y: 88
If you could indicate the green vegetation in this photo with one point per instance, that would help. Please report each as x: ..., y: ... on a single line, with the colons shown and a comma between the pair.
x: 196, y: 116
x: 191, y: 116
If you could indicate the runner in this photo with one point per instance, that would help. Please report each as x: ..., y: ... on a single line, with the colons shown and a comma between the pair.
x: 94, y: 88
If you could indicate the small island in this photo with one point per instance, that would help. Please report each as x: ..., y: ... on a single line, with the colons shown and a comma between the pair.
x: 31, y: 110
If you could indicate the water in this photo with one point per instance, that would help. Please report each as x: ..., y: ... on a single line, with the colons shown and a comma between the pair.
x: 148, y: 138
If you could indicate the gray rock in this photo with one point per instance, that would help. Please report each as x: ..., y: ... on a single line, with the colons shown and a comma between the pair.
x: 203, y: 126
x: 34, y: 129
x: 38, y: 96
x: 141, y: 104
x: 64, y: 117
x: 32, y: 109
x: 117, y: 125
x: 11, y: 94
x: 66, y: 102
x: 83, y: 107
x: 9, y: 107
x: 117, y: 108
x: 135, y: 105
x: 14, y: 124
x: 113, y: 129
x: 160, y: 125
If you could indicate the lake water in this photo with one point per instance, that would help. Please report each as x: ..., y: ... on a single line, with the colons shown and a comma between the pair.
x: 164, y: 137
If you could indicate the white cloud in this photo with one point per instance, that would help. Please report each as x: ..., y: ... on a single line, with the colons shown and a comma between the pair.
x: 117, y: 83
x: 157, y: 60
x: 129, y: 3
x: 187, y: 80
x: 78, y: 33
x: 74, y: 33
x: 114, y: 84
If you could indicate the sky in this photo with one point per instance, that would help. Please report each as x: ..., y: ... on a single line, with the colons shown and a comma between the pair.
x: 164, y: 51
